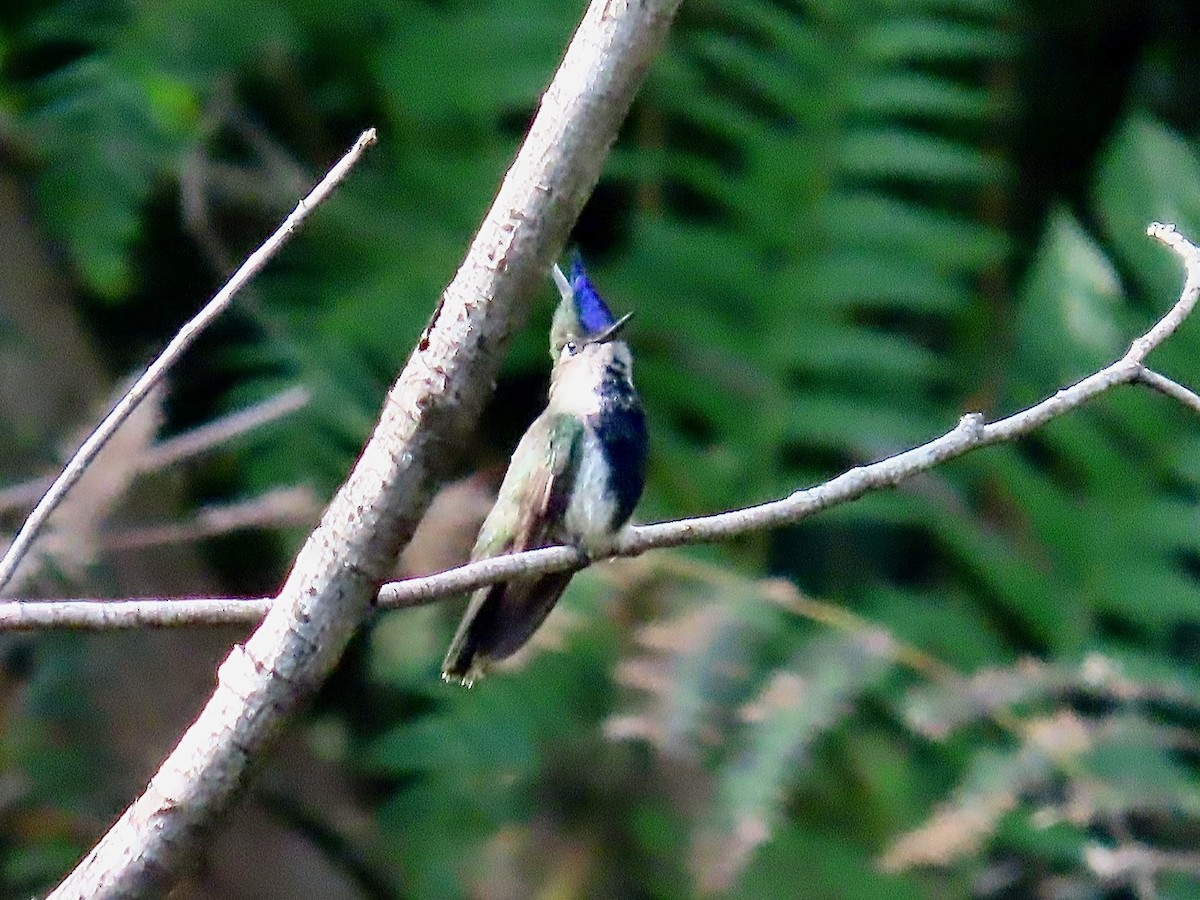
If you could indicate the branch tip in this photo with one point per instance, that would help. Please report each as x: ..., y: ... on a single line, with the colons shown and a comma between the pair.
x: 1167, y: 234
x: 1161, y: 231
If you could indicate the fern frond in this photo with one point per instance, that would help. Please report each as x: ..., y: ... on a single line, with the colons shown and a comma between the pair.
x: 797, y: 706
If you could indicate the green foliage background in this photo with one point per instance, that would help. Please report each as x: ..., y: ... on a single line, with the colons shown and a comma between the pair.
x: 843, y: 223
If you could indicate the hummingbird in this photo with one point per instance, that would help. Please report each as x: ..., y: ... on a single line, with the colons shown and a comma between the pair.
x: 574, y: 478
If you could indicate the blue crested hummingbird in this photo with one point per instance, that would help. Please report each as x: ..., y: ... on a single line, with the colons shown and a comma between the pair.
x: 574, y: 478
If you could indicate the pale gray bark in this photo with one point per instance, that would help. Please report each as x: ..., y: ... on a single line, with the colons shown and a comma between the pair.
x: 428, y: 411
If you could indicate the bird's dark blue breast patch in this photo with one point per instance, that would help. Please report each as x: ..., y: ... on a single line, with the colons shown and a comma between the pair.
x: 621, y: 430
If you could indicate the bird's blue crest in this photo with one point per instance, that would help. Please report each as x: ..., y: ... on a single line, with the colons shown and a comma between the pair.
x: 594, y: 314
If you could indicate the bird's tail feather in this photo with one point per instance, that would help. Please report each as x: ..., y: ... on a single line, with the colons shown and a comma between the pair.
x: 499, y: 621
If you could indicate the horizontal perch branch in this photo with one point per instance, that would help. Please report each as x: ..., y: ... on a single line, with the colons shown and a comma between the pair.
x: 970, y: 433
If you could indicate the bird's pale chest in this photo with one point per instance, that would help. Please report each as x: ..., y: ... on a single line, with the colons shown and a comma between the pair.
x: 591, y: 509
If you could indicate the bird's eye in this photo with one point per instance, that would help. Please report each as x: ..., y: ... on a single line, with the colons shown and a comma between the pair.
x: 571, y: 347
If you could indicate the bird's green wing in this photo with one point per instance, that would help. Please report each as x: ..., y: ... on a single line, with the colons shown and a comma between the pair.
x: 528, y: 514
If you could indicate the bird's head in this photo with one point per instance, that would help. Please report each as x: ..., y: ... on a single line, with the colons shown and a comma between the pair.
x: 585, y: 338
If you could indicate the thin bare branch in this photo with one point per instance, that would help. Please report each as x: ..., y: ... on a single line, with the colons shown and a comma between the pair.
x: 221, y: 431
x: 190, y: 444
x: 1166, y: 386
x: 428, y: 411
x: 92, y: 614
x: 970, y: 433
x: 276, y: 508
x: 155, y: 372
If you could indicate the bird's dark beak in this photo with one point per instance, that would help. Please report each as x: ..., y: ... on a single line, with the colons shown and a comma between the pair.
x: 612, y: 330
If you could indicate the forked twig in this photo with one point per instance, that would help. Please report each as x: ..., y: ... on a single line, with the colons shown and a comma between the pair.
x: 155, y: 372
x: 970, y: 433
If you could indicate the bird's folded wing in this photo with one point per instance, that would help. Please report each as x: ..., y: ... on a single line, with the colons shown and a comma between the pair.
x: 528, y: 515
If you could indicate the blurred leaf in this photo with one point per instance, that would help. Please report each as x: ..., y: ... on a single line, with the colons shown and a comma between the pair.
x: 93, y: 192
x: 796, y: 707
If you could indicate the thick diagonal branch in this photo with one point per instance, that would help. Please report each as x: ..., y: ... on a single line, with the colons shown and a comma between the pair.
x: 428, y: 411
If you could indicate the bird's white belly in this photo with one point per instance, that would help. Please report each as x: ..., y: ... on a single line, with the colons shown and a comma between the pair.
x: 591, y: 508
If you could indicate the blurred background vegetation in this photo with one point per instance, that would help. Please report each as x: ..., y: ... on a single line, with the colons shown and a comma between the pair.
x: 842, y: 223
